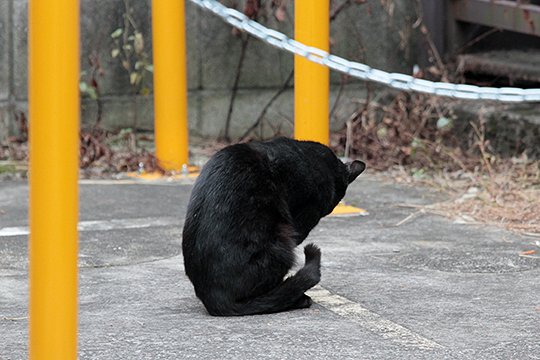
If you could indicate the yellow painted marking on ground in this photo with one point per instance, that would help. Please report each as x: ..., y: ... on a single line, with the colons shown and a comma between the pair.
x: 192, y: 173
x: 346, y: 210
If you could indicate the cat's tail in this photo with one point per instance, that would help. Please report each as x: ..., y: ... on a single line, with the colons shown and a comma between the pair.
x: 289, y: 294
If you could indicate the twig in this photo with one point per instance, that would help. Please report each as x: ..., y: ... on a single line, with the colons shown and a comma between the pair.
x: 245, y: 41
x: 349, y: 135
x: 412, y: 215
x: 343, y: 82
x: 260, y: 118
x: 531, y: 235
x: 5, y: 318
x: 529, y: 256
x: 97, y: 70
x: 426, y: 208
x: 477, y: 39
x: 339, y: 9
x: 357, y: 114
x: 427, y: 35
x: 125, y: 35
x: 413, y: 206
x: 480, y: 133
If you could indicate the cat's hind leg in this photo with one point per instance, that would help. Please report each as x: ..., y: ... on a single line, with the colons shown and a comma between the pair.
x: 288, y: 295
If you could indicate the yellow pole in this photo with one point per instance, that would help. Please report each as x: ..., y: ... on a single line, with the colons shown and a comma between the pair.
x: 53, y: 67
x: 170, y: 83
x: 311, y: 81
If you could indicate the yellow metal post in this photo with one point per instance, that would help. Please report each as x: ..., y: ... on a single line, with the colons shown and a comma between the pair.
x: 311, y: 81
x: 54, y: 163
x: 170, y: 83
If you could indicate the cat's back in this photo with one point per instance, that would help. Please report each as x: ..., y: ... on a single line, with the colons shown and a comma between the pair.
x: 235, y: 205
x: 234, y: 184
x: 231, y: 168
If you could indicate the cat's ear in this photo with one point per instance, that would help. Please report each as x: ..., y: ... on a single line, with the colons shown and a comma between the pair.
x: 355, y: 168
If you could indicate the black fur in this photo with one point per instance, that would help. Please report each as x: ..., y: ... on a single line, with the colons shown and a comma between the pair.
x: 250, y: 207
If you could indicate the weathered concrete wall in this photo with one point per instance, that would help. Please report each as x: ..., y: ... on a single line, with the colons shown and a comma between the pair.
x: 378, y: 33
x: 5, y: 68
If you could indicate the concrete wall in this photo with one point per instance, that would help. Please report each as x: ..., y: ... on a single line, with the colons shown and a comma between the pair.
x: 5, y: 66
x: 376, y: 32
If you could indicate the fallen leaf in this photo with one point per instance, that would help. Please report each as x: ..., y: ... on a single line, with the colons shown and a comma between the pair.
x: 528, y: 252
x: 280, y: 14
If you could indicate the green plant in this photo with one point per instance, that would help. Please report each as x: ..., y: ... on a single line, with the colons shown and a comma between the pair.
x: 89, y: 85
x: 129, y: 49
x: 7, y: 168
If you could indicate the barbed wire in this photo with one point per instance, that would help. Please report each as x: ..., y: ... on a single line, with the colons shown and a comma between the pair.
x: 363, y: 71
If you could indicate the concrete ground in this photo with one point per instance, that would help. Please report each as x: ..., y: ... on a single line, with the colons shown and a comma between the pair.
x: 425, y: 289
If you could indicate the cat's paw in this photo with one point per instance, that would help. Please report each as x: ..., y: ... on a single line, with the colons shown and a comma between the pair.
x: 303, y: 302
x: 313, y: 263
x: 312, y: 253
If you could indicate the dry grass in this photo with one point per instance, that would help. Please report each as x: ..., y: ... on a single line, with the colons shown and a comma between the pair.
x: 411, y: 138
x: 510, y: 198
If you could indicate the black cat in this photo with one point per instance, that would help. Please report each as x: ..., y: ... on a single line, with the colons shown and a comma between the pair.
x: 250, y: 207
